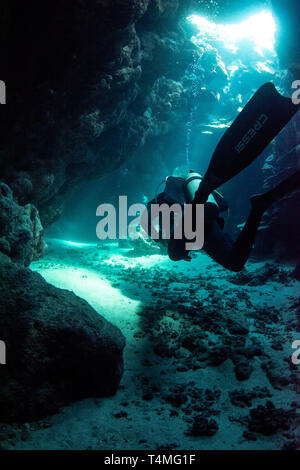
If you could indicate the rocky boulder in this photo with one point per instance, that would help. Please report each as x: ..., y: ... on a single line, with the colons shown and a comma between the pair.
x: 58, y: 349
x: 21, y: 231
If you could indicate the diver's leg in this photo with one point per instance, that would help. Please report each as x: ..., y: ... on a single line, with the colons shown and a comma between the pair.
x: 260, y: 203
x: 221, y: 247
x: 242, y: 247
x: 287, y: 186
x: 217, y: 244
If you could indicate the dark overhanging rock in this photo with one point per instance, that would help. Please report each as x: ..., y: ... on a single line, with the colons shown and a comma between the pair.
x: 80, y: 66
x: 58, y: 348
x: 77, y: 110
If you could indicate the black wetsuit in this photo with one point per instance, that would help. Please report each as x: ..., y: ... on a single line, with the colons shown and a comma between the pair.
x: 234, y: 254
x: 218, y: 244
x: 221, y: 247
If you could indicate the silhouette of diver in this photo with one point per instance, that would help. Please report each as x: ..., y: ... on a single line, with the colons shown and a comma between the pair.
x: 256, y: 126
x: 219, y: 245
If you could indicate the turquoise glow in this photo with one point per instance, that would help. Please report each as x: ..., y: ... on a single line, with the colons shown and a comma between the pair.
x: 78, y: 245
x: 259, y: 28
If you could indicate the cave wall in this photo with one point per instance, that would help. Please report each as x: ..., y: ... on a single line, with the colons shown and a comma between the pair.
x: 75, y: 103
x: 280, y: 235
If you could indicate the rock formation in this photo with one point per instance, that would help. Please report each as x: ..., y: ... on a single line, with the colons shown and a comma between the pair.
x: 58, y: 348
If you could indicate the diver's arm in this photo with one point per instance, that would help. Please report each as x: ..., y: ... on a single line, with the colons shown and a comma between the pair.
x: 177, y: 251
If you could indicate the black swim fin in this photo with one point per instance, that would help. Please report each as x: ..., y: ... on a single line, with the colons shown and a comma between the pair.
x: 257, y: 125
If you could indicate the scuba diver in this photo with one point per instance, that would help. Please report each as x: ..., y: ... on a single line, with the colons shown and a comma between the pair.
x: 257, y: 125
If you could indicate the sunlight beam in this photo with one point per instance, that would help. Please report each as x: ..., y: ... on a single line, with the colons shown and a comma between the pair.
x: 260, y: 28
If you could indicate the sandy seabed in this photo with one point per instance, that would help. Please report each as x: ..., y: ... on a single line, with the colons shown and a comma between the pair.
x: 207, y: 364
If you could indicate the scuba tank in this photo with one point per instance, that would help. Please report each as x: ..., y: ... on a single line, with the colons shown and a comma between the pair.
x: 182, y: 191
x: 191, y: 185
